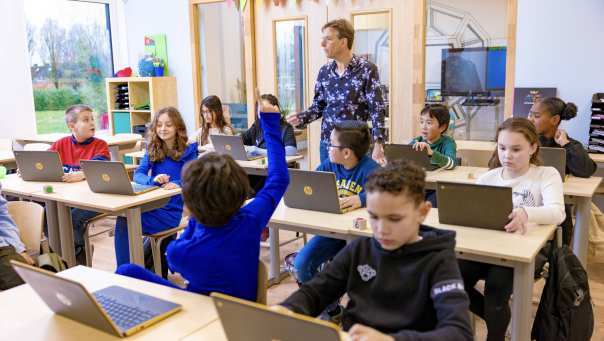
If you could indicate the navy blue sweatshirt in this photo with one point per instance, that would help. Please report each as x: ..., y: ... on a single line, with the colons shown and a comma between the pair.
x: 351, y: 181
x: 578, y: 162
x: 225, y: 258
x: 148, y: 170
x: 413, y: 293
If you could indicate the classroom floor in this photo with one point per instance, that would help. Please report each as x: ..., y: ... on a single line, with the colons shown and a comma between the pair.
x: 104, y: 258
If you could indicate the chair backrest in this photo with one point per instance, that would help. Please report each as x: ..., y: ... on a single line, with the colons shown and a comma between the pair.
x: 37, y: 146
x: 262, y: 283
x: 29, y: 218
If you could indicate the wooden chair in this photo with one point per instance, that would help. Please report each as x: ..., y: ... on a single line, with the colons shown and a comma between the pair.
x: 261, y: 291
x: 87, y: 246
x: 157, y: 238
x: 29, y: 218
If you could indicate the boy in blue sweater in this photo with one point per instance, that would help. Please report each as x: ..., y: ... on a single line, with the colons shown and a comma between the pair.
x: 220, y: 248
x: 348, y: 146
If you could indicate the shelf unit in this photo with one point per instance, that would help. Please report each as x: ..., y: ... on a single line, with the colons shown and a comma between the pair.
x: 596, y: 127
x: 157, y: 92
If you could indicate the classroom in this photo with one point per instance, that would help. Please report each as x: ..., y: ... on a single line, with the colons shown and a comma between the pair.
x: 252, y: 170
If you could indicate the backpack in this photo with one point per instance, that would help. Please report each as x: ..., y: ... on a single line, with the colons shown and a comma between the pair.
x: 565, y: 312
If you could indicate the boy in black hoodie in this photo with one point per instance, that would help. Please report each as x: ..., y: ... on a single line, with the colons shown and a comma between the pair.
x: 403, y: 283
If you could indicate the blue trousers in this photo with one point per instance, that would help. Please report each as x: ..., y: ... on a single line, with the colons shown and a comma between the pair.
x: 316, y: 252
x: 152, y: 222
x: 323, y: 152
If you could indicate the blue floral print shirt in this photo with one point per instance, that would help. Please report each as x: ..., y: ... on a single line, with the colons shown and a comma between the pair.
x: 356, y: 95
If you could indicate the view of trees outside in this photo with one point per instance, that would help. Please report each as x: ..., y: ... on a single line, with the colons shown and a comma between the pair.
x: 69, y: 44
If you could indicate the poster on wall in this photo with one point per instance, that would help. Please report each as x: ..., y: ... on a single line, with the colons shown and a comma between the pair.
x: 524, y: 98
x: 156, y: 46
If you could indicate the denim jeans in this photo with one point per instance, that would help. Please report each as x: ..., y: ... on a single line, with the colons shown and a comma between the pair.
x: 79, y: 218
x: 323, y: 152
x: 316, y: 252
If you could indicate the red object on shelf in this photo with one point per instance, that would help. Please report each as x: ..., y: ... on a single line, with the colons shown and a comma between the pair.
x: 126, y: 72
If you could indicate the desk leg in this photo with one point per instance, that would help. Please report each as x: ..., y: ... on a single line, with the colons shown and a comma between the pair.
x: 114, y: 151
x: 522, y: 301
x: 135, y: 235
x: 66, y: 234
x: 581, y: 233
x: 52, y: 220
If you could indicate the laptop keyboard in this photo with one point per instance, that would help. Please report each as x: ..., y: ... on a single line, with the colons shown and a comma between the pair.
x: 123, y: 315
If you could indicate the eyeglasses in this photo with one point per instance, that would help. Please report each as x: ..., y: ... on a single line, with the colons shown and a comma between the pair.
x: 329, y: 145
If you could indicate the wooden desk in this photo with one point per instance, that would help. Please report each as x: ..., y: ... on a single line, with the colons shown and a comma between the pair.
x: 24, y: 316
x: 116, y: 142
x: 215, y: 332
x: 488, y: 246
x: 7, y: 159
x: 13, y: 185
x: 576, y: 190
x: 79, y: 195
x: 254, y: 167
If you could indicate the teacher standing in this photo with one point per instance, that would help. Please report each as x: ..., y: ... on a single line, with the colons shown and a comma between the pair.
x: 347, y: 88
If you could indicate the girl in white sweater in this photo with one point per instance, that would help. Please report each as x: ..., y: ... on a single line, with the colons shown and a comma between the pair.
x: 537, y: 197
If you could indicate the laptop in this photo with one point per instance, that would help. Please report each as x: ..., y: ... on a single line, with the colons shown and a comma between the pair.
x: 406, y: 152
x: 554, y: 157
x: 111, y: 177
x: 114, y: 310
x: 477, y: 199
x: 434, y: 96
x: 233, y: 146
x: 39, y: 165
x: 312, y: 190
x: 249, y: 321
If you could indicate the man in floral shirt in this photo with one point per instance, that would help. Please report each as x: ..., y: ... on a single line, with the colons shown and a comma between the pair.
x: 347, y: 88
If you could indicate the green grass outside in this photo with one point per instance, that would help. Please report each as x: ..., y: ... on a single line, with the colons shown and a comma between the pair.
x: 51, y: 122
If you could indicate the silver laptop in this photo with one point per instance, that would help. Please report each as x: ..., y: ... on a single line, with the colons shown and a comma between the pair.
x: 114, y: 310
x: 39, y: 165
x: 312, y: 190
x: 554, y: 157
x: 406, y: 152
x: 111, y: 177
x: 249, y: 321
x: 233, y: 146
x: 466, y: 205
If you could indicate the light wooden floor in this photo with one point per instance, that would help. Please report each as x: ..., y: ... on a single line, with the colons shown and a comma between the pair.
x: 104, y: 258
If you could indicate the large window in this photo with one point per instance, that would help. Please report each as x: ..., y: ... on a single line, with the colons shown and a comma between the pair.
x: 222, y: 59
x: 290, y: 63
x: 70, y: 52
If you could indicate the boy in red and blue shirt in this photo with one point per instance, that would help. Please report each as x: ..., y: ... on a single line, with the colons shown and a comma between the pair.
x: 81, y: 145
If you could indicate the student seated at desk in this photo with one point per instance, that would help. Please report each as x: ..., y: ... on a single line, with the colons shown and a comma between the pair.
x: 254, y: 135
x: 81, y: 145
x: 167, y: 153
x: 403, y: 283
x: 212, y: 122
x: 546, y: 114
x: 434, y: 121
x: 348, y: 159
x: 537, y: 197
x: 11, y: 248
x: 219, y: 250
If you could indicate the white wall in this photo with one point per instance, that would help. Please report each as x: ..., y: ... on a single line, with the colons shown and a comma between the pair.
x: 16, y: 95
x: 171, y: 18
x: 559, y: 44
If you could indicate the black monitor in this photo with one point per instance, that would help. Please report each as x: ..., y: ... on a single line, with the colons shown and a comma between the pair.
x: 463, y: 71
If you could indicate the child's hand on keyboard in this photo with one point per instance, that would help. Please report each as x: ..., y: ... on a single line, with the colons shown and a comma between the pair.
x: 73, y: 177
x: 359, y: 332
x: 162, y: 179
x: 169, y: 185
